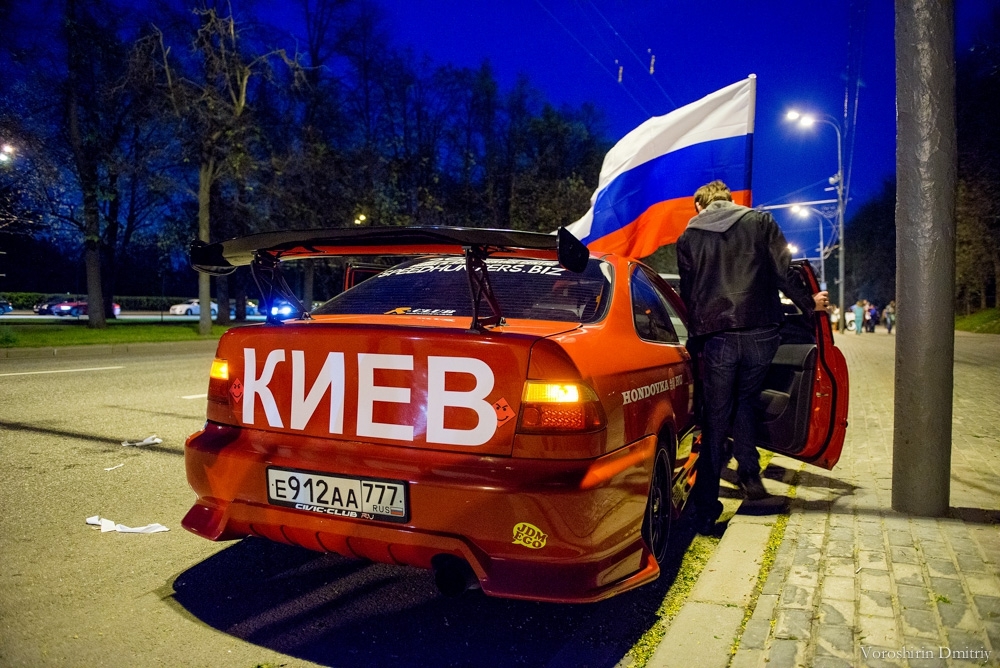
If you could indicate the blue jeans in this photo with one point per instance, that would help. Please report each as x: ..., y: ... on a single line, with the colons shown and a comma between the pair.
x: 734, y: 365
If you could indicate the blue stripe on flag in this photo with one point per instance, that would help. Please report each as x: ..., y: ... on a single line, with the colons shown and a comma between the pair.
x: 670, y: 176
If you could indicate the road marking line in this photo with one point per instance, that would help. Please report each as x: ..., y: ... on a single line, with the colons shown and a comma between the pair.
x: 195, y: 396
x: 35, y: 373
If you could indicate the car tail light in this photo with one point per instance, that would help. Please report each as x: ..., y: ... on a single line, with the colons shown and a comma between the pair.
x: 220, y: 369
x: 548, y: 407
x: 218, y: 381
x: 220, y: 390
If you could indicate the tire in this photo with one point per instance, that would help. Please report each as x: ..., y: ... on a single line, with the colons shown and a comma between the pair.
x: 75, y: 312
x: 659, y: 516
x: 188, y: 312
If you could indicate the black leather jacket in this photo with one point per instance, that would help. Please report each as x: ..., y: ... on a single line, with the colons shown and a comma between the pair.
x: 732, y: 261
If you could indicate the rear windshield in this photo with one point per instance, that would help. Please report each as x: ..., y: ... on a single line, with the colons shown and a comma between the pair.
x: 532, y: 289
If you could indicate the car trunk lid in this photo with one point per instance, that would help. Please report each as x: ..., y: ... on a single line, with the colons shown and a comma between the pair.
x: 427, y: 385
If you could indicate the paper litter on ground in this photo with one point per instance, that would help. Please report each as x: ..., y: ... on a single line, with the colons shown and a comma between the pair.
x: 110, y: 525
x: 149, y: 440
x: 112, y: 468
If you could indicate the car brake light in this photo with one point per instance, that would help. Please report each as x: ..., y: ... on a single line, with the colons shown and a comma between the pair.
x: 548, y: 407
x: 220, y: 369
x: 218, y: 381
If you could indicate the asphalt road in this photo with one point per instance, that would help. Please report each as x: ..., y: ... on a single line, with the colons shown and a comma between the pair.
x: 73, y: 596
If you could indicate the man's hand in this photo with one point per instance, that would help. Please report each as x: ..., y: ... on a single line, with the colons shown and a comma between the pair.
x: 822, y: 300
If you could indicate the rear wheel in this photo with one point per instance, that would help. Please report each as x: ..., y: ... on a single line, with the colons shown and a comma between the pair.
x: 187, y: 312
x: 659, y: 518
x: 75, y: 312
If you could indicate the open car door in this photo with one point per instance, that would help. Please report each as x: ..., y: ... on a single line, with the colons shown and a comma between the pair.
x: 804, y: 401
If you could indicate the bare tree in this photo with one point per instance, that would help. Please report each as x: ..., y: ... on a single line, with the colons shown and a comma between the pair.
x: 211, y: 104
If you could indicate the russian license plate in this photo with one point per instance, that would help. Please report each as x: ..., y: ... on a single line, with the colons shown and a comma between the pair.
x: 342, y: 496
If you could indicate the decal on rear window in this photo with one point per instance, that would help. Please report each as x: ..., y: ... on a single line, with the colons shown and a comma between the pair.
x: 439, y: 286
x: 406, y: 310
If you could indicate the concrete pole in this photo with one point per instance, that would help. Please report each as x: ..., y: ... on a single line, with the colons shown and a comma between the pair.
x: 925, y: 255
x: 842, y: 323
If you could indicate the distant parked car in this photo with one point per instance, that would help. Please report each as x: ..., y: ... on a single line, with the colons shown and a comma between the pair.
x: 5, y: 306
x: 191, y: 307
x: 44, y: 307
x: 76, y: 307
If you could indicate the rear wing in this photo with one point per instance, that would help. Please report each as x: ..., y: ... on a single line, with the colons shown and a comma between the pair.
x: 264, y: 252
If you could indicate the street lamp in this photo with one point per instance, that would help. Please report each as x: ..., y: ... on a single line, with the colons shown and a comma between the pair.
x: 808, y: 120
x: 803, y: 212
x: 6, y: 152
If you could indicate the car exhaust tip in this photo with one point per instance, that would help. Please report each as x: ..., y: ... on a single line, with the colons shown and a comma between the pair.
x: 453, y: 575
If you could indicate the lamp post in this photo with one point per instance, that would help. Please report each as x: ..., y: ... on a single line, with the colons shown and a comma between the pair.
x: 803, y: 212
x: 808, y: 120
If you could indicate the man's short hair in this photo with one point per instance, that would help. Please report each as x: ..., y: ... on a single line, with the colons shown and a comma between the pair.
x: 712, y: 192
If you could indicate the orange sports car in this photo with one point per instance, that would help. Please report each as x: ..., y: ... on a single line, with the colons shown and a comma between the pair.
x: 505, y: 408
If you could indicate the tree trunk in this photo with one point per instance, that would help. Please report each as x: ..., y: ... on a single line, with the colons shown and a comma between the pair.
x: 241, y: 300
x: 95, y: 298
x: 205, y: 175
x: 996, y: 280
x: 307, y: 285
x: 88, y: 178
x: 222, y: 298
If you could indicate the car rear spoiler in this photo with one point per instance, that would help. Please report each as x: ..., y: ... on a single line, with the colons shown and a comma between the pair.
x: 264, y: 253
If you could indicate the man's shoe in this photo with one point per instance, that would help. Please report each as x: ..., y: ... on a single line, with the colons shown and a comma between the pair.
x: 753, y: 488
x: 708, y: 526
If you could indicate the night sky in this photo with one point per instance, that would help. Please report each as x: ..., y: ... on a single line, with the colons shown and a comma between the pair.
x: 803, y: 53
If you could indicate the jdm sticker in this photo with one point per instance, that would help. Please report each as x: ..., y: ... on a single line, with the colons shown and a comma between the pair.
x: 530, y: 536
x: 504, y: 413
x: 236, y: 389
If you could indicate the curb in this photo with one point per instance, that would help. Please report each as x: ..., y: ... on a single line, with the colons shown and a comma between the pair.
x: 712, y: 618
x: 112, y: 350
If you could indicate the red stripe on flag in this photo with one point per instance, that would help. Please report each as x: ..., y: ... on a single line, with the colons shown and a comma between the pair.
x: 659, y: 225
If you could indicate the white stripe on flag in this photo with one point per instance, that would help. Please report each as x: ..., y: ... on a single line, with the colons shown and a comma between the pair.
x: 728, y: 112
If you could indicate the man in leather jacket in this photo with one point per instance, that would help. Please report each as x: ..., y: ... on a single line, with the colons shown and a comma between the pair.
x: 732, y: 261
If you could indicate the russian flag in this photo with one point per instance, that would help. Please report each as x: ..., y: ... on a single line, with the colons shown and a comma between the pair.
x: 645, y: 196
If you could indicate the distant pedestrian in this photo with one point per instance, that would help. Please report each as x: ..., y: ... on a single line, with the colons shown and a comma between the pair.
x: 890, y: 315
x: 872, y: 317
x: 859, y: 316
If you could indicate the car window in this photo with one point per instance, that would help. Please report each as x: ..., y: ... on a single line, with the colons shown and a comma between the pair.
x: 524, y: 288
x: 650, y: 310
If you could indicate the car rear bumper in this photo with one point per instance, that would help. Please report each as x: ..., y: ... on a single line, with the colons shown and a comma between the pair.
x: 469, y: 506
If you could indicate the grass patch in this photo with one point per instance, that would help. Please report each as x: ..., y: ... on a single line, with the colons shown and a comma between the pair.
x: 693, y: 563
x: 986, y: 321
x: 61, y: 335
x: 697, y: 555
x: 7, y: 337
x: 767, y: 563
